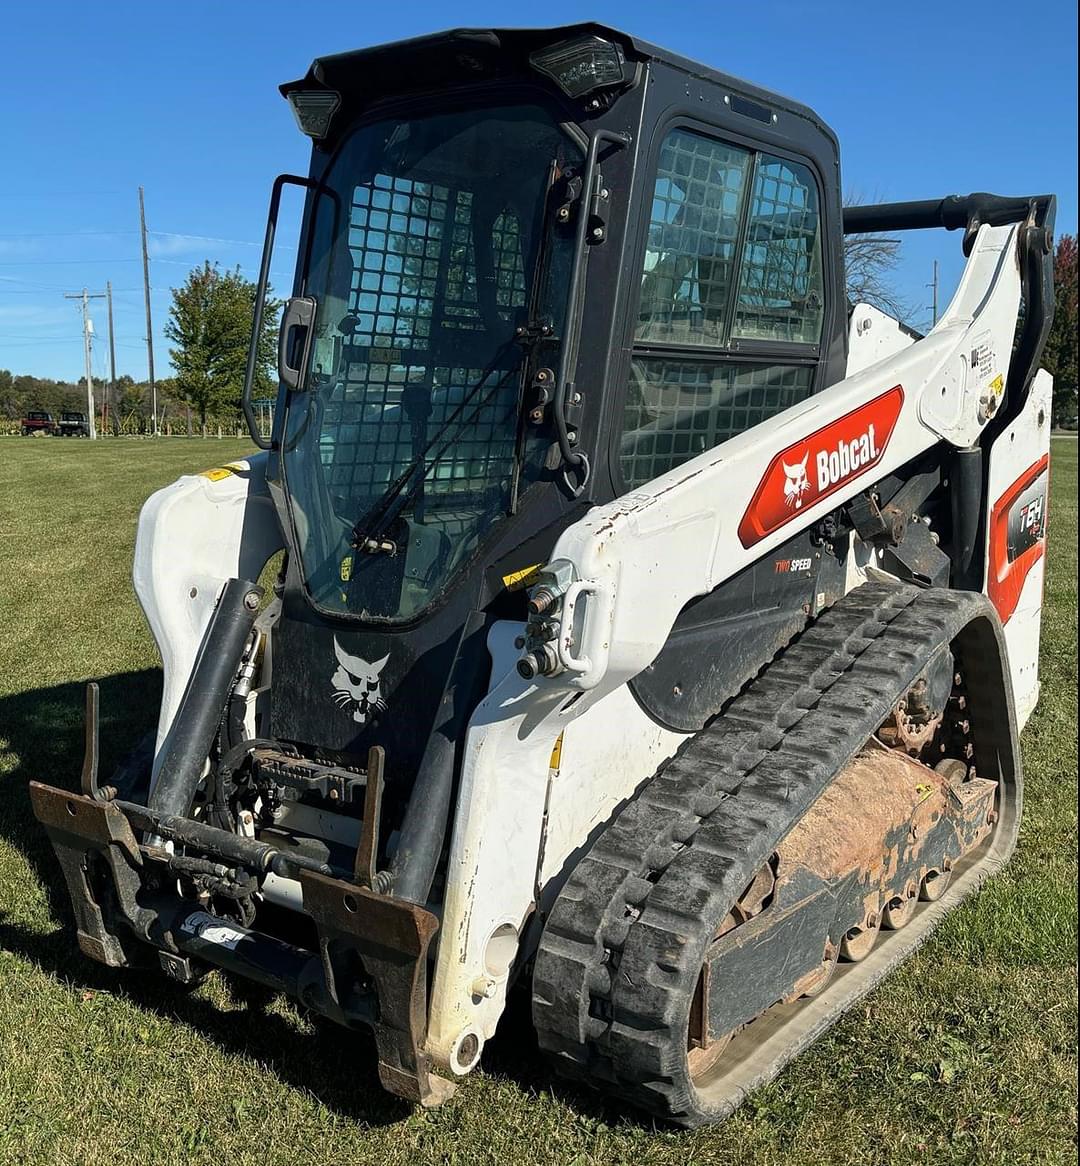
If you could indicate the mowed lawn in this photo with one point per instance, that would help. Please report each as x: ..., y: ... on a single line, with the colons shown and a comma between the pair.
x: 967, y: 1054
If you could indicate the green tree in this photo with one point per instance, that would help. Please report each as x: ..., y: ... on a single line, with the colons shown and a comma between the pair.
x: 9, y: 407
x: 1059, y: 356
x: 210, y: 326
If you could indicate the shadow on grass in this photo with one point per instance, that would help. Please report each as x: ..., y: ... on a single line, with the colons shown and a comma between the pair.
x: 45, y: 734
x: 44, y: 731
x: 514, y: 1055
x: 337, y: 1066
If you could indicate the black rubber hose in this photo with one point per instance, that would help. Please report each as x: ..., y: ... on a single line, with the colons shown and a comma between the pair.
x: 423, y: 831
x: 424, y: 828
x: 967, y: 507
x: 234, y: 725
x: 201, y: 708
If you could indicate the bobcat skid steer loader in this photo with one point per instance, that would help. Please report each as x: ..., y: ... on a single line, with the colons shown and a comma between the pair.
x: 655, y: 627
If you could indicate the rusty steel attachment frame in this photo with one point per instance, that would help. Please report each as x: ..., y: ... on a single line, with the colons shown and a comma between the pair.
x: 80, y: 828
x: 392, y: 938
x: 371, y: 967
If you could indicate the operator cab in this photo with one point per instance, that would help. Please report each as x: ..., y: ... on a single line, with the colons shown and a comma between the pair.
x: 538, y: 269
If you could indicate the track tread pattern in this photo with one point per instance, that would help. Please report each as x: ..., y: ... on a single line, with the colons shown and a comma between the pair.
x: 623, y: 945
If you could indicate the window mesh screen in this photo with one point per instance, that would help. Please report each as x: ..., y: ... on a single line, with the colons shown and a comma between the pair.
x: 508, y: 263
x: 396, y: 238
x: 780, y: 287
x: 386, y: 415
x: 677, y: 409
x: 413, y: 251
x: 694, y: 224
x: 677, y: 406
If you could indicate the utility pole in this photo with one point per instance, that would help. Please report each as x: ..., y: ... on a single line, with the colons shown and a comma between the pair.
x: 149, y: 326
x: 110, y: 400
x: 934, y: 285
x: 88, y: 331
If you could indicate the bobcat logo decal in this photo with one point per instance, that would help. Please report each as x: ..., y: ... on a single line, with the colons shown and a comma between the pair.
x: 356, y: 685
x: 797, y: 483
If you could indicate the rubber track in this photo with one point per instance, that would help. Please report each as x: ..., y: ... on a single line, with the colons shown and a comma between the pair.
x: 623, y: 946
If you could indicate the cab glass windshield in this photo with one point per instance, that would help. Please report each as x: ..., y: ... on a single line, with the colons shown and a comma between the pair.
x: 436, y: 263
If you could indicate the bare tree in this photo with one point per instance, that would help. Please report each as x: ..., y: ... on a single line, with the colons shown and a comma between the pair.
x: 870, y: 262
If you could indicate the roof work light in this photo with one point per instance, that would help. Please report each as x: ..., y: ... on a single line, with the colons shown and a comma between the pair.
x: 313, y: 109
x: 582, y: 65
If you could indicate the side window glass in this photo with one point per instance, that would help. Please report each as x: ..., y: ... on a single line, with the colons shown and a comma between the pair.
x: 781, y: 291
x: 697, y: 206
x: 676, y: 409
x: 508, y: 263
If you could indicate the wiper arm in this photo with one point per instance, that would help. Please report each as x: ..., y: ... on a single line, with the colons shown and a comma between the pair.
x: 365, y: 534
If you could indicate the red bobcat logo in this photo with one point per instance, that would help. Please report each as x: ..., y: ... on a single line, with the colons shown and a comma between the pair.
x: 816, y: 466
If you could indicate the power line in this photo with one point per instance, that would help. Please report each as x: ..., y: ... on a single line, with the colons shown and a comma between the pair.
x: 215, y: 239
x: 61, y: 234
x: 934, y: 285
x: 54, y: 262
x: 38, y: 194
x: 280, y: 273
x: 30, y: 283
x: 25, y: 336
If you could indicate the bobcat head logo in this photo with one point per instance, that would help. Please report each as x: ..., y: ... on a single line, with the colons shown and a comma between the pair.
x: 797, y: 481
x: 356, y: 685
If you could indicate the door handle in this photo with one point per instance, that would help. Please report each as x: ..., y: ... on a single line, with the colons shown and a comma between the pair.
x: 294, y: 340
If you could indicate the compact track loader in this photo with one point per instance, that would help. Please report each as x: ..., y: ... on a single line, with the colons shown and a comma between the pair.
x: 654, y: 627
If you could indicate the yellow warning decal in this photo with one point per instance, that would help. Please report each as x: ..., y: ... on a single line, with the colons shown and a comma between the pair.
x: 997, y: 385
x: 518, y: 579
x: 556, y: 754
x: 225, y: 471
x: 346, y: 568
x: 924, y: 791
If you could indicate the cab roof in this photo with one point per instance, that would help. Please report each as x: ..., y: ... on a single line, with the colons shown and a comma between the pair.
x: 464, y: 54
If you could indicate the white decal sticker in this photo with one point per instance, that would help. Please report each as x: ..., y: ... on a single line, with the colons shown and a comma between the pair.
x: 983, y: 361
x: 211, y: 929
x: 356, y: 684
x: 798, y: 482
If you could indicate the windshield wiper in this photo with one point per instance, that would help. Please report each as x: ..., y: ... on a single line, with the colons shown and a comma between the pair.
x: 366, y: 534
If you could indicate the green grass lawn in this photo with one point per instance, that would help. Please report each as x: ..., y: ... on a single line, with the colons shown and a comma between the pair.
x: 967, y: 1054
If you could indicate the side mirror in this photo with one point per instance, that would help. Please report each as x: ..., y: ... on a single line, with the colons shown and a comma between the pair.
x: 280, y: 183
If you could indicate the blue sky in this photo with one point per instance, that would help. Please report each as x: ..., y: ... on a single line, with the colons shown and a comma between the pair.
x: 926, y: 98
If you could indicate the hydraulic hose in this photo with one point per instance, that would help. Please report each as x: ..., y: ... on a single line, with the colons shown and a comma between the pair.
x: 423, y: 830
x: 198, y: 718
x: 967, y: 505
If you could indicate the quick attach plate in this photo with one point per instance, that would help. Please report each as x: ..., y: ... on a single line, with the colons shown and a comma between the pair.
x: 391, y: 938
